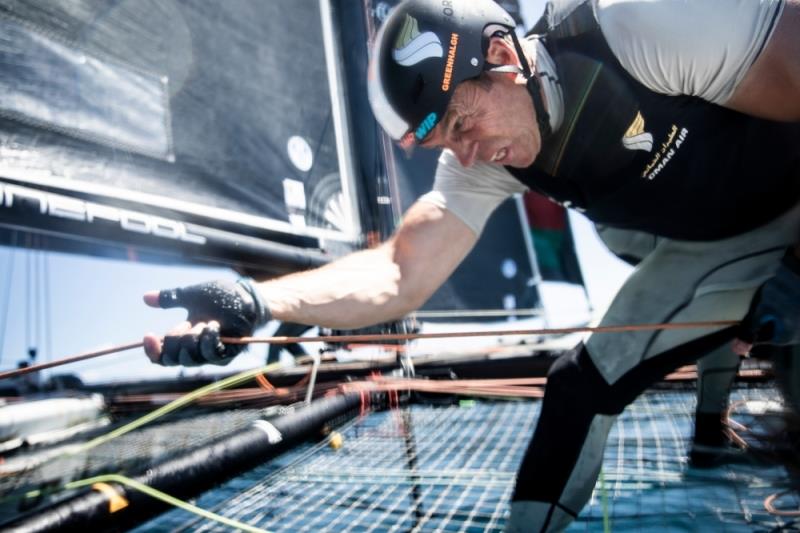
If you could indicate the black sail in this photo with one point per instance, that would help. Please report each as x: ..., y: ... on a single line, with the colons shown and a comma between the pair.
x: 199, y: 130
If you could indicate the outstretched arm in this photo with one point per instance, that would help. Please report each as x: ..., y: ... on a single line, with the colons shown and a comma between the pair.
x: 380, y: 284
x: 360, y: 289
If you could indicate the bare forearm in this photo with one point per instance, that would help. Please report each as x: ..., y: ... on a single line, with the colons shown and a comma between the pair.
x: 358, y: 290
x: 377, y: 285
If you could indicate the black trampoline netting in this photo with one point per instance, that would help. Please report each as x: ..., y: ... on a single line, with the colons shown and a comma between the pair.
x: 428, y: 468
x: 47, y: 469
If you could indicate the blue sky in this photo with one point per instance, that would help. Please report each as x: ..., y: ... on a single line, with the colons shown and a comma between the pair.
x: 94, y: 303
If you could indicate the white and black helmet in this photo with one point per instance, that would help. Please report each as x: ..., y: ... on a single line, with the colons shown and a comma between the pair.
x: 424, y: 49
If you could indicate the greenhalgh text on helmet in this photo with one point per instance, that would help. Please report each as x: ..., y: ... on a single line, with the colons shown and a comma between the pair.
x: 423, y: 50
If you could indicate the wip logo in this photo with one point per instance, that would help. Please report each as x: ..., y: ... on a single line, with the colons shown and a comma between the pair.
x: 426, y: 126
x: 636, y: 138
x: 412, y: 46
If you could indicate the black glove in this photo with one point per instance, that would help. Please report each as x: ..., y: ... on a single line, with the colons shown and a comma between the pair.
x: 236, y: 306
x: 774, y: 316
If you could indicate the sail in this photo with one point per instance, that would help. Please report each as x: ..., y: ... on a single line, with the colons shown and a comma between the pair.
x: 202, y: 130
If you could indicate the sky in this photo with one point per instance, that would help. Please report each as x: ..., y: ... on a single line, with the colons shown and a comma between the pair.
x: 66, y: 304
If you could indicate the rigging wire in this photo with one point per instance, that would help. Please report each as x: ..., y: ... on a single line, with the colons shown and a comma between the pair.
x: 37, y: 299
x: 28, y: 292
x: 48, y: 315
x: 6, y: 305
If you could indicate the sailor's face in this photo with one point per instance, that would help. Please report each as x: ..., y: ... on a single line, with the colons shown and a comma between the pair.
x: 489, y: 120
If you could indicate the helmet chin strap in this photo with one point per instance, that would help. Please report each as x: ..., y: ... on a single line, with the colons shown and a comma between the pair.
x: 533, y: 85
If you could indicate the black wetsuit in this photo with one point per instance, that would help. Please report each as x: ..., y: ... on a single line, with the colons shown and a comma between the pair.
x: 698, y: 171
x: 675, y: 166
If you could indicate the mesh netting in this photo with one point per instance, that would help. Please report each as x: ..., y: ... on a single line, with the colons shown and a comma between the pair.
x: 48, y: 468
x: 452, y: 469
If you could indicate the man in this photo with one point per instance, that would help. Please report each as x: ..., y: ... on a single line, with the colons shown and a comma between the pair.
x: 630, y: 111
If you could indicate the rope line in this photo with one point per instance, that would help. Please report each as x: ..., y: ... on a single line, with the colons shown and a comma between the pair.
x: 72, y: 359
x: 732, y: 428
x: 7, y: 294
x: 769, y: 505
x: 48, y: 308
x: 164, y: 497
x: 174, y: 405
x: 389, y: 337
x: 29, y: 318
x: 462, y: 334
x: 604, y: 502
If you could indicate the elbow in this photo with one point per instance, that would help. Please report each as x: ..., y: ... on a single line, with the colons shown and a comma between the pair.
x: 411, y: 300
x: 400, y: 300
x: 412, y: 294
x: 395, y: 301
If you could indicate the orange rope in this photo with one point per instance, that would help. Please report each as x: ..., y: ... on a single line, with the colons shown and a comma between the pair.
x: 462, y: 334
x: 381, y: 338
x: 305, y: 379
x: 769, y: 505
x: 66, y: 360
x: 733, y: 425
x: 516, y: 387
x: 264, y: 383
x: 769, y: 501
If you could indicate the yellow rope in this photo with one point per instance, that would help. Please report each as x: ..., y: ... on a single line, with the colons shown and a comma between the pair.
x: 164, y: 497
x: 184, y: 400
x: 604, y: 503
x: 175, y: 405
x: 231, y: 381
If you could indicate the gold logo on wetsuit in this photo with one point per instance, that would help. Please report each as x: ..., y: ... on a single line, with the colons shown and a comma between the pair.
x: 636, y: 138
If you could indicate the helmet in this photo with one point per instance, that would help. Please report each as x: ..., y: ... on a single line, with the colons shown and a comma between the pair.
x: 424, y: 49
